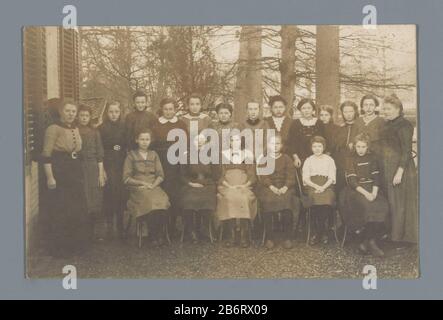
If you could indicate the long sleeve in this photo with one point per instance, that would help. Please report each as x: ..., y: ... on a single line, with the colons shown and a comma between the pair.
x: 184, y: 174
x: 49, y: 143
x: 99, y: 146
x: 128, y: 168
x: 405, y: 134
x: 351, y: 173
x: 306, y: 171
x: 250, y: 171
x: 292, y: 144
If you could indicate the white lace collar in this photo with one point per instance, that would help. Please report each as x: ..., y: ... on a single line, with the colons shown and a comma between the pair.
x: 308, y: 123
x: 163, y: 120
x: 190, y: 117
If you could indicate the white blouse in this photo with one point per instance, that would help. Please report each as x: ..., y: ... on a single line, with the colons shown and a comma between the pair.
x: 322, y: 165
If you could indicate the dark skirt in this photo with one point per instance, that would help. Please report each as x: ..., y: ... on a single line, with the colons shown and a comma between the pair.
x: 325, y: 198
x: 270, y: 202
x: 356, y: 210
x: 114, y: 193
x: 70, y: 223
x: 198, y: 198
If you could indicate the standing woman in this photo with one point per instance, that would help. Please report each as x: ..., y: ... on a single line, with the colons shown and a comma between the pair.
x: 370, y: 123
x: 168, y: 121
x: 112, y: 132
x: 303, y: 130
x: 68, y: 212
x: 400, y: 173
x: 344, y: 140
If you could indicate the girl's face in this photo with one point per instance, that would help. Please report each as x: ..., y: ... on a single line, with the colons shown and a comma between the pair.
x: 325, y: 116
x: 361, y: 148
x: 144, y: 141
x: 168, y: 111
x: 140, y: 103
x: 69, y: 112
x: 307, y: 111
x: 391, y: 111
x: 253, y: 111
x: 236, y: 143
x: 368, y: 107
x: 224, y: 115
x: 278, y: 109
x: 195, y: 105
x: 114, y: 112
x: 348, y: 113
x: 317, y: 148
x: 84, y: 117
x: 275, y: 145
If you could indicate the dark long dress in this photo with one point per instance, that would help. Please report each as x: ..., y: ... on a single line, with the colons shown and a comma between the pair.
x: 114, y: 145
x: 355, y: 209
x: 330, y: 132
x: 67, y: 209
x: 301, y: 135
x: 403, y: 198
x: 92, y: 153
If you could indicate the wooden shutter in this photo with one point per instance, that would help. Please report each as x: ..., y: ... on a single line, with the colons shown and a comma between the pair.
x: 34, y: 83
x: 69, y: 49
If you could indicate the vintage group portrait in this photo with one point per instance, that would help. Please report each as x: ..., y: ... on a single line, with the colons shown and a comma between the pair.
x: 221, y: 152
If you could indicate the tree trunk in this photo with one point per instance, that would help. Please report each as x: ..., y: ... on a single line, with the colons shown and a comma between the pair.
x: 248, y: 85
x: 287, y: 65
x: 327, y: 85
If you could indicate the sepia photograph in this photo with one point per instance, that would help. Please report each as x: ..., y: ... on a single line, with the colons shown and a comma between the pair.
x: 221, y: 151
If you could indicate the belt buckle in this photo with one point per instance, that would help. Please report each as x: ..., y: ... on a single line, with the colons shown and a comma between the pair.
x: 74, y: 155
x: 117, y: 147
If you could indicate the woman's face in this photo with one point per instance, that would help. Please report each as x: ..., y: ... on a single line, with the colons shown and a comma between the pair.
x: 317, y: 148
x: 168, y: 110
x: 361, y: 148
x: 200, y: 141
x: 224, y: 115
x: 84, y: 117
x: 114, y: 112
x: 195, y: 105
x: 144, y: 141
x: 236, y: 143
x: 307, y: 111
x: 390, y: 111
x: 368, y: 107
x: 69, y: 112
x: 348, y: 114
x: 140, y: 103
x: 278, y: 109
x: 325, y: 116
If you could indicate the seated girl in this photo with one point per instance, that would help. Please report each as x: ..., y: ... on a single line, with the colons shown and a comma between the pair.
x: 276, y: 194
x: 362, y: 205
x: 237, y: 204
x: 143, y: 174
x: 319, y: 175
x: 198, y: 193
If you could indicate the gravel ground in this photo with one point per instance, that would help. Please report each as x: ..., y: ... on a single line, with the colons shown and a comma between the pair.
x: 213, y: 261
